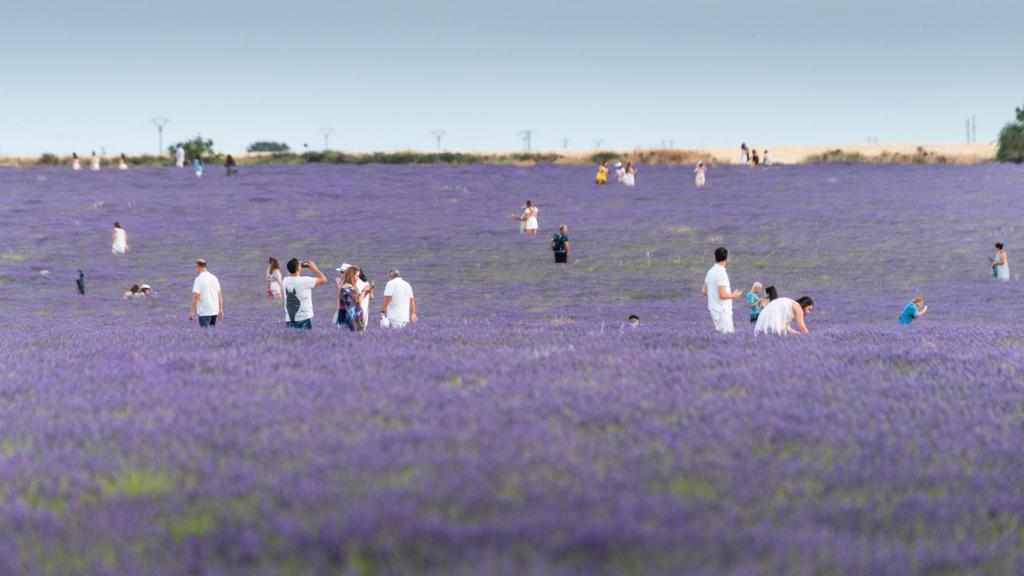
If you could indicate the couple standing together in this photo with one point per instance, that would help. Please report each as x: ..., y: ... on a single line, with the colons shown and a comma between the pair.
x: 777, y: 316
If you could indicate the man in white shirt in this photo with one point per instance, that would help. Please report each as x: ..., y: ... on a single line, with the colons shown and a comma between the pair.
x: 399, y: 304
x: 719, y: 292
x: 207, y: 299
x: 298, y: 293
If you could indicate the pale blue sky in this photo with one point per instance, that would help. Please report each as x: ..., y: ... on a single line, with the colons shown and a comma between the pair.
x: 384, y: 73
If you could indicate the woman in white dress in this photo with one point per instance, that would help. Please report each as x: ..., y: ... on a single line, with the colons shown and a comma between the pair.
x: 701, y: 174
x: 1000, y: 264
x: 119, y: 239
x: 274, y: 279
x: 630, y: 178
x: 123, y: 164
x: 530, y: 217
x: 778, y: 316
x: 94, y: 162
x: 76, y: 163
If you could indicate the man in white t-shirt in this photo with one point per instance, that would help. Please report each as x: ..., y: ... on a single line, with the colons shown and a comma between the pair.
x: 298, y: 293
x: 719, y: 292
x: 207, y: 299
x: 399, y: 304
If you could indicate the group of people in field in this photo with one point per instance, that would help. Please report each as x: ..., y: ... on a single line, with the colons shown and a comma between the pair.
x: 749, y: 157
x: 529, y: 225
x: 198, y: 167
x: 625, y: 174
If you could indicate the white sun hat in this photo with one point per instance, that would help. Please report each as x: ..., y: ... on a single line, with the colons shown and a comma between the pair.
x: 343, y: 267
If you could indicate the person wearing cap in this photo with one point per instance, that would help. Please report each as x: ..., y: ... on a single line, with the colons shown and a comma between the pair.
x: 620, y: 172
x: 145, y: 291
x: 399, y: 304
x: 298, y: 293
x: 362, y: 286
x: 207, y: 299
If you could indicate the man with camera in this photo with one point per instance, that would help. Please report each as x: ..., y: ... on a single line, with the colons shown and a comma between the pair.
x: 298, y: 293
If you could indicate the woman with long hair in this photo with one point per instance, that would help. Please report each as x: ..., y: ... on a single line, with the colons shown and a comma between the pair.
x: 1000, y: 264
x: 778, y: 316
x: 274, y: 279
x: 350, y: 300
x: 629, y: 179
x: 530, y: 217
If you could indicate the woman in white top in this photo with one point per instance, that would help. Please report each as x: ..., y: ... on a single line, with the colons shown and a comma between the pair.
x: 123, y: 164
x: 530, y: 217
x: 274, y: 279
x: 779, y: 314
x: 1000, y: 265
x: 76, y: 164
x: 629, y: 179
x: 94, y: 163
x: 700, y: 171
x: 118, y: 239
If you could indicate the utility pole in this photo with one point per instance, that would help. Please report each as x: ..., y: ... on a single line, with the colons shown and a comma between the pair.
x: 160, y: 122
x: 967, y: 125
x: 974, y: 129
x: 527, y: 136
x: 565, y: 143
x: 326, y: 131
x: 438, y: 134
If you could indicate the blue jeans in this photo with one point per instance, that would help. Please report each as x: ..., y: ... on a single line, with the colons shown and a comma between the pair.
x: 307, y: 324
x: 205, y: 321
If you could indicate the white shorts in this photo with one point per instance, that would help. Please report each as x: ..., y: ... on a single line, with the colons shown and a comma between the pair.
x: 396, y: 323
x: 722, y: 320
x: 531, y: 224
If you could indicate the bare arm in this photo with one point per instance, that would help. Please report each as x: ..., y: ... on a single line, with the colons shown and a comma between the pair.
x: 412, y: 310
x: 799, y: 313
x: 568, y: 245
x: 320, y: 278
x: 727, y: 296
x: 220, y: 304
x: 1002, y: 258
x: 384, y: 309
x: 921, y: 312
x: 704, y: 289
x: 195, y: 304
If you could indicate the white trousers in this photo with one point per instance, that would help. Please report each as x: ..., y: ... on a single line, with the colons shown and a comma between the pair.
x: 722, y: 320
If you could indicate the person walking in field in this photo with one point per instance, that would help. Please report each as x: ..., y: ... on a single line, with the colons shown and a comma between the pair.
x: 230, y: 166
x: 399, y: 307
x: 913, y: 310
x: 719, y: 293
x: 118, y: 239
x: 207, y: 299
x: 350, y: 301
x: 755, y: 301
x: 179, y: 156
x: 197, y: 166
x: 701, y: 174
x: 1000, y: 264
x: 298, y: 293
x: 620, y: 173
x: 529, y: 216
x: 602, y: 173
x: 123, y: 163
x: 754, y: 159
x: 274, y: 281
x: 744, y: 154
x: 778, y: 316
x: 629, y: 178
x: 94, y: 162
x: 560, y: 245
x: 767, y: 158
x: 76, y: 164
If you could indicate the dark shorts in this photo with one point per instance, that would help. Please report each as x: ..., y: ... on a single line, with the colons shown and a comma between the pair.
x: 753, y: 317
x: 306, y: 324
x: 561, y: 257
x: 205, y: 321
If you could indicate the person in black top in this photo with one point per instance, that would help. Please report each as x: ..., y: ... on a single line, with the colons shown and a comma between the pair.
x: 560, y: 245
x: 230, y: 166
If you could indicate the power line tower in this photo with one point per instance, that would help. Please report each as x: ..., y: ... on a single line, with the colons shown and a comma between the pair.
x: 160, y: 122
x: 326, y: 131
x: 527, y: 136
x: 974, y: 129
x: 967, y: 126
x: 668, y: 144
x: 597, y: 143
x: 565, y: 143
x: 438, y: 134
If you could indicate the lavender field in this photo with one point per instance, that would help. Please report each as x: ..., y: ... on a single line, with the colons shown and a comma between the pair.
x: 519, y: 427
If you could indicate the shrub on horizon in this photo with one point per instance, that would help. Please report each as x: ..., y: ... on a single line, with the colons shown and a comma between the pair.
x: 268, y: 146
x: 196, y: 147
x: 48, y: 159
x: 1011, y: 140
